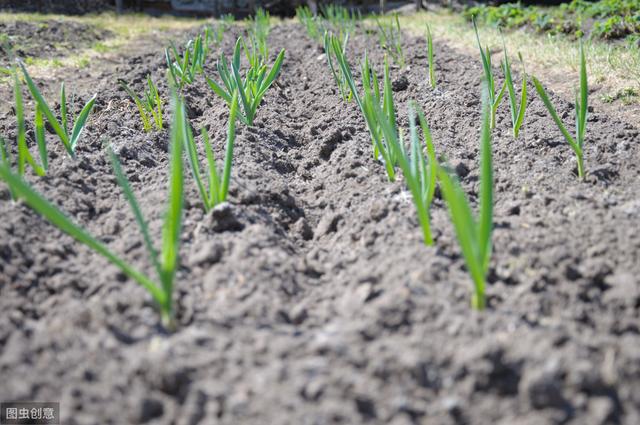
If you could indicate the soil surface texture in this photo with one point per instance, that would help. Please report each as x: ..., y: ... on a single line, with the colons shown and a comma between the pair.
x: 49, y: 39
x: 58, y: 6
x: 310, y: 298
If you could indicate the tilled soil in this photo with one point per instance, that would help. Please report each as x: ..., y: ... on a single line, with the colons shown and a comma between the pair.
x: 47, y: 39
x: 310, y: 298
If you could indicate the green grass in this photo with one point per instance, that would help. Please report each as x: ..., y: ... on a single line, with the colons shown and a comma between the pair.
x: 166, y: 260
x: 627, y: 96
x: 614, y: 68
x: 474, y: 232
x: 101, y: 47
x: 581, y: 105
x: 124, y: 29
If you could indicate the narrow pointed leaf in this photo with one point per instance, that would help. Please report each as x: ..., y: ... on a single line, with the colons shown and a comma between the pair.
x: 81, y: 121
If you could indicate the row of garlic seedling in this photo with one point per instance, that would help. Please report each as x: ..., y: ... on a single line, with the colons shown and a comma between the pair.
x: 338, y: 20
x: 418, y: 164
x: 243, y: 94
x: 240, y: 93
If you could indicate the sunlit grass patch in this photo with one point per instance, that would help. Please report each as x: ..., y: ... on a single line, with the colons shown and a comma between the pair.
x: 613, y: 66
x: 123, y: 30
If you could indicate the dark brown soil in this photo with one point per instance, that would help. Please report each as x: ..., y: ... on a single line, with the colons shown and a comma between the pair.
x: 58, y: 6
x: 310, y: 298
x: 49, y: 39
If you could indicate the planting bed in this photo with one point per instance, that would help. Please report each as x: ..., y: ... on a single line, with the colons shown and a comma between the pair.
x: 310, y: 298
x: 47, y: 39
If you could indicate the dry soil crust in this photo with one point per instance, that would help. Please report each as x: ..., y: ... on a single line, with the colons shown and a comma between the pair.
x: 310, y: 298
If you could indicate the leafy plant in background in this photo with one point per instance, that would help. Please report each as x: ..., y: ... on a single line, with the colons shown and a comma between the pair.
x: 259, y: 33
x: 339, y: 19
x: 509, y: 15
x: 611, y: 19
x: 494, y: 100
x: 251, y: 88
x: 218, y: 183
x: 184, y: 68
x: 331, y: 53
x: 215, y: 33
x: 391, y: 38
x: 149, y: 107
x: 430, y: 54
x: 227, y: 19
x: 577, y: 143
x: 420, y: 173
x: 474, y: 233
x: 254, y: 57
x: 517, y: 108
x: 68, y: 139
x: 309, y: 22
x: 166, y: 261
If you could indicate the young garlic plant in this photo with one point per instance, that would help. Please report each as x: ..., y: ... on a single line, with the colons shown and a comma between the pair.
x: 494, y: 99
x: 382, y: 149
x: 218, y: 183
x: 333, y: 50
x: 166, y: 261
x: 517, y: 108
x: 68, y: 139
x: 420, y: 172
x: 430, y: 54
x: 252, y: 87
x: 184, y: 68
x: 390, y: 36
x: 5, y: 162
x: 339, y: 19
x: 309, y: 22
x: 259, y: 33
x: 24, y: 155
x: 215, y: 33
x: 474, y: 233
x: 582, y: 105
x: 149, y: 107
